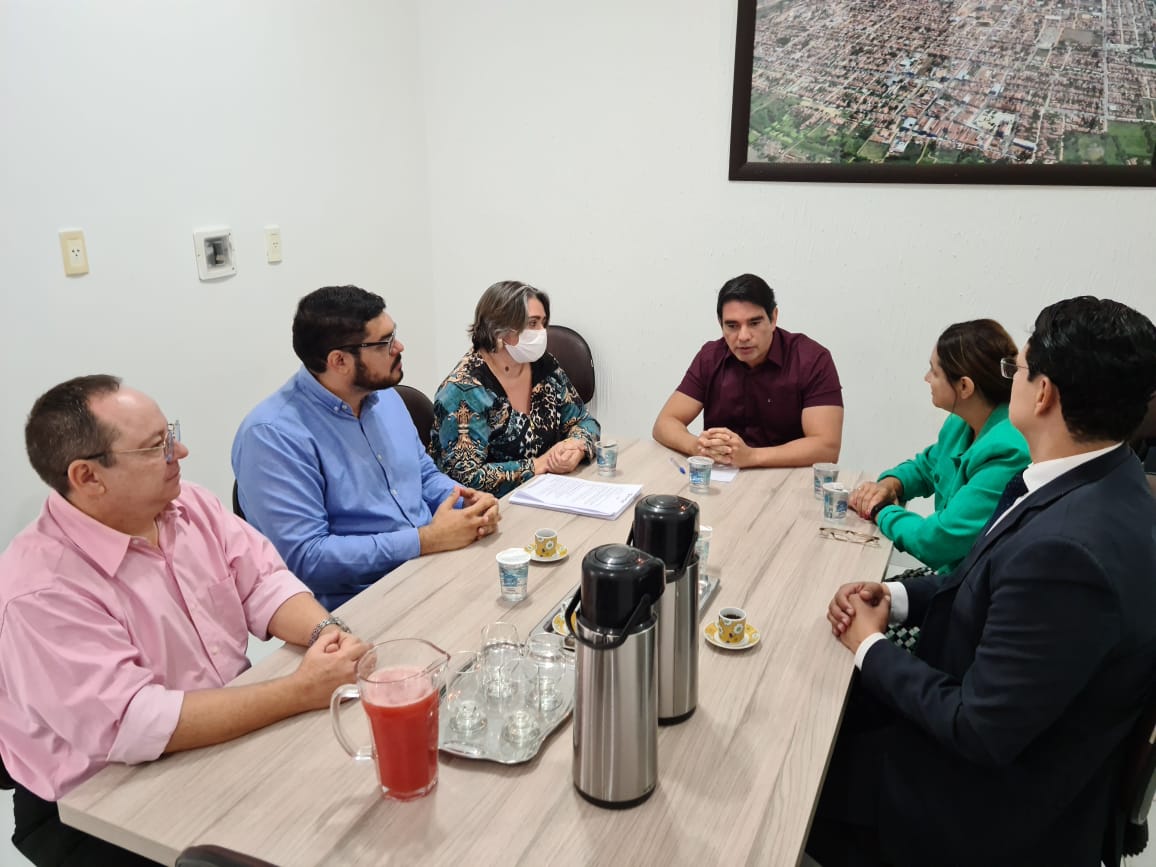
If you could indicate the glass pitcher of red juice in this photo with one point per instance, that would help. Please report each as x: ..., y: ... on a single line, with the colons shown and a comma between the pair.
x: 398, y: 683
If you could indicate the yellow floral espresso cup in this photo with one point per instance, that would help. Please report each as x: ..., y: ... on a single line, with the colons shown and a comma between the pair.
x: 732, y: 625
x: 546, y: 543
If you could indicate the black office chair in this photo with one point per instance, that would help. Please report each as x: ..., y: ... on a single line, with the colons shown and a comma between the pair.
x: 217, y: 856
x: 573, y: 353
x: 6, y: 781
x: 237, y: 510
x: 420, y: 410
x: 1138, y: 785
x: 906, y: 636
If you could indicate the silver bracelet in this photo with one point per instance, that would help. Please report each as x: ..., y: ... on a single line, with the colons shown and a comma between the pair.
x: 328, y: 621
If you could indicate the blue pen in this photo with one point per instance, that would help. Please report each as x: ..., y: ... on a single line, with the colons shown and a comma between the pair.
x: 678, y: 466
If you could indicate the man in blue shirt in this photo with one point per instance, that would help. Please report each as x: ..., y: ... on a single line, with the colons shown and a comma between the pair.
x: 331, y: 468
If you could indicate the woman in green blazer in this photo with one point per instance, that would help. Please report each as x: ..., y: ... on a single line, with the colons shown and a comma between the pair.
x: 968, y: 466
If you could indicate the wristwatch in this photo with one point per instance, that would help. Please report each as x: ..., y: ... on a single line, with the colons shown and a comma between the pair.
x: 328, y: 621
x: 879, y: 507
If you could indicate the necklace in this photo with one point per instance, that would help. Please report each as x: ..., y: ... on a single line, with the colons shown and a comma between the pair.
x: 493, y: 361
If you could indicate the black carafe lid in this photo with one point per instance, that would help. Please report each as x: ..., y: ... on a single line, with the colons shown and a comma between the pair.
x: 665, y: 526
x: 614, y: 580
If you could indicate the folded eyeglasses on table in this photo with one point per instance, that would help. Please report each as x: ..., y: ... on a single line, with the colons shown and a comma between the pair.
x: 841, y: 535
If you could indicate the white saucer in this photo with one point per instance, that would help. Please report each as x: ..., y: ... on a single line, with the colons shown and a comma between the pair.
x: 561, y: 554
x: 750, y: 638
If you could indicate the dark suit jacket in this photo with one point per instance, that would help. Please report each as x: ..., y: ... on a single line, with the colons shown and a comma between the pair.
x: 1036, y: 656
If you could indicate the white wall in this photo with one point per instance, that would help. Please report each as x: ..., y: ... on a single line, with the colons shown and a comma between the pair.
x: 138, y: 121
x: 583, y: 147
x: 441, y: 146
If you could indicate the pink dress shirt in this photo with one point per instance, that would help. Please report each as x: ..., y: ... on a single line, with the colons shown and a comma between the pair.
x: 101, y: 633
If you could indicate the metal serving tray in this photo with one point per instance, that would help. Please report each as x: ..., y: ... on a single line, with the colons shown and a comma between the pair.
x: 489, y: 744
x: 708, y: 586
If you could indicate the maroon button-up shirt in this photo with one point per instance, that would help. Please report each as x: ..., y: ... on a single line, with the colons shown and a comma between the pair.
x: 764, y: 404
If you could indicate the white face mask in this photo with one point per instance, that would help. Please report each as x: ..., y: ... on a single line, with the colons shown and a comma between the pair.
x: 530, y: 347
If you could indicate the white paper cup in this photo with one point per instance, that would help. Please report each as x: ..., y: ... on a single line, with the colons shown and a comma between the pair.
x: 835, y: 498
x: 513, y: 573
x: 824, y: 473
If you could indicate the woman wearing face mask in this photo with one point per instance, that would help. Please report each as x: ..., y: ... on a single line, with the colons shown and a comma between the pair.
x: 508, y: 411
x: 968, y: 466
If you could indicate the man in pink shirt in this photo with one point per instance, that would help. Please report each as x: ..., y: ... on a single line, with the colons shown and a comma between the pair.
x: 126, y: 607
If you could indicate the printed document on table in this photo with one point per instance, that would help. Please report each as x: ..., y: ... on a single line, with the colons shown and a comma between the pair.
x: 723, y: 474
x: 577, y: 496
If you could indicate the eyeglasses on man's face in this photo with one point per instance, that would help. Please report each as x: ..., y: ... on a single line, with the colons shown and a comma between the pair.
x: 386, y: 344
x: 168, y: 447
x: 1008, y: 367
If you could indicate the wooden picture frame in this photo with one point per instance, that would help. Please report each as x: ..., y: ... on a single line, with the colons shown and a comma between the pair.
x: 862, y: 91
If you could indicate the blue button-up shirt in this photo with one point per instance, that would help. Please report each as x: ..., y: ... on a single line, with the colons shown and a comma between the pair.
x: 340, y: 496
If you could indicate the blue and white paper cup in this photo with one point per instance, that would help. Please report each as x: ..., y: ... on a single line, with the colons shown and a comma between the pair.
x: 824, y: 473
x: 835, y: 498
x: 513, y: 573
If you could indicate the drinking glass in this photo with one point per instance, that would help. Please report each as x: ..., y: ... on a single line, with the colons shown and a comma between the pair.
x: 545, y: 647
x: 700, y: 468
x: 702, y: 547
x: 500, y: 647
x: 521, y: 721
x: 546, y: 687
x: 464, y: 694
x: 606, y: 453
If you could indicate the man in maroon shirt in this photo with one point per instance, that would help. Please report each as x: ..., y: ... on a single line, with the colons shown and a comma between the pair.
x: 769, y: 398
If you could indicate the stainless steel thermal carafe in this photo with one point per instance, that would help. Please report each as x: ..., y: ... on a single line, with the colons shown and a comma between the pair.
x: 666, y: 527
x: 616, y: 691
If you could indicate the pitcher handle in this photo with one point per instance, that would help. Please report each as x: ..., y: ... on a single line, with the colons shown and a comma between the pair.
x: 339, y: 695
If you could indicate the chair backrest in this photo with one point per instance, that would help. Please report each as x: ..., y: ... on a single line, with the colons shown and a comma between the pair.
x: 217, y: 856
x: 573, y: 353
x: 420, y: 410
x: 237, y: 510
x: 6, y: 782
x: 1139, y: 782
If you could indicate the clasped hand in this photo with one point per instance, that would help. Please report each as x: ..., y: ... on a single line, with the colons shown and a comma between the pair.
x: 563, y: 457
x: 858, y: 610
x: 868, y: 495
x: 328, y: 664
x: 724, y: 446
x: 453, y: 528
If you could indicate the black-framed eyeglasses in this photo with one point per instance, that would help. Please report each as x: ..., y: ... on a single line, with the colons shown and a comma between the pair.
x: 1008, y: 367
x: 168, y: 447
x: 386, y: 344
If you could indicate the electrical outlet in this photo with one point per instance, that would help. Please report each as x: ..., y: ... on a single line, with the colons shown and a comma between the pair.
x: 273, y: 244
x: 73, y: 252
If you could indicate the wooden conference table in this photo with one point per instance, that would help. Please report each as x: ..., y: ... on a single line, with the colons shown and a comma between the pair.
x: 737, y: 782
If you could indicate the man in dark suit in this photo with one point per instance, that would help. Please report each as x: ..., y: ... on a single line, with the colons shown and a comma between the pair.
x: 999, y: 740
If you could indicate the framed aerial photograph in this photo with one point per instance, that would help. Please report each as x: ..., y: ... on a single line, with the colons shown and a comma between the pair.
x: 935, y: 91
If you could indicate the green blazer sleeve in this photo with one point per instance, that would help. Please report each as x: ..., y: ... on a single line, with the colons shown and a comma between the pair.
x: 917, y: 474
x: 968, y: 479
